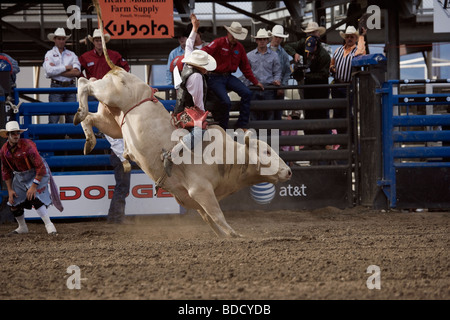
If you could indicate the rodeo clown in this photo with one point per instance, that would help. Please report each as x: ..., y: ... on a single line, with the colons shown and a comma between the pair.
x: 189, y: 112
x: 26, y: 176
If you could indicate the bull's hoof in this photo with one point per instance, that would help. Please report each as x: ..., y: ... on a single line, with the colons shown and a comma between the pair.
x: 230, y: 234
x: 77, y: 119
x: 126, y: 166
x: 88, y: 147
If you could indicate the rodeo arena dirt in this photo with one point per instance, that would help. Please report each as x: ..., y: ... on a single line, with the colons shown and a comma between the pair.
x: 319, y: 254
x: 351, y: 206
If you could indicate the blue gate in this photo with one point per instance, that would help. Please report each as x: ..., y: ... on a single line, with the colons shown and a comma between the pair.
x: 416, y: 149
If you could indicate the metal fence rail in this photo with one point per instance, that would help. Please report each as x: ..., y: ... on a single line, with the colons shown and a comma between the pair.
x: 409, y: 141
x: 62, y: 144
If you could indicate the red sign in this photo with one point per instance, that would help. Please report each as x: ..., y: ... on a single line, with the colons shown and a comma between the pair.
x: 137, y: 19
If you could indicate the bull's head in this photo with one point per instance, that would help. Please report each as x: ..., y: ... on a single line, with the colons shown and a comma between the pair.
x: 268, y: 164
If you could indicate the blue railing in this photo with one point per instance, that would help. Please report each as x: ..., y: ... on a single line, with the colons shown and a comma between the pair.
x: 399, y: 127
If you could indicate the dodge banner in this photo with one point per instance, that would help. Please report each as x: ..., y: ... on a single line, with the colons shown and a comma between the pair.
x: 89, y: 195
x: 138, y: 19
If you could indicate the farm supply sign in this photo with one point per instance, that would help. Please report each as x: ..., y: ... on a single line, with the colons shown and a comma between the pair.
x: 138, y: 19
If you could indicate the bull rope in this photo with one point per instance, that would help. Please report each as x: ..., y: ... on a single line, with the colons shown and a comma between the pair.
x: 136, y: 105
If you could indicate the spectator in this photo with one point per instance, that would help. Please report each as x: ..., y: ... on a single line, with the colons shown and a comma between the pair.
x: 63, y: 67
x: 122, y: 176
x: 341, y: 64
x: 176, y: 60
x: 15, y: 69
x: 178, y: 51
x: 8, y: 85
x: 316, y: 69
x: 191, y: 96
x: 265, y: 65
x: 230, y: 54
x: 26, y: 177
x: 198, y: 41
x: 93, y: 62
x: 278, y: 37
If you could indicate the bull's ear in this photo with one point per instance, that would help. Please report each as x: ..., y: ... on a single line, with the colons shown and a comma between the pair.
x: 248, y: 135
x: 251, y: 144
x: 254, y: 159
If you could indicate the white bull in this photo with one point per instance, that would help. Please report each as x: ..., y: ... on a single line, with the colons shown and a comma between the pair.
x: 128, y: 109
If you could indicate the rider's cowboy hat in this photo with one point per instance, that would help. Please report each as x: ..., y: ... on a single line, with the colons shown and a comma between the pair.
x: 237, y: 31
x: 60, y: 32
x: 278, y: 31
x: 262, y: 34
x: 350, y: 30
x: 313, y: 26
x: 97, y: 34
x: 200, y: 58
x: 11, y: 126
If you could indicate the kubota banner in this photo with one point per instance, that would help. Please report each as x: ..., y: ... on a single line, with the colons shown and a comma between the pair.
x: 138, y: 19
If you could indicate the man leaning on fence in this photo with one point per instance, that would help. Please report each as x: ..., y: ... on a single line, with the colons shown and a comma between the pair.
x: 62, y: 66
x: 266, y: 68
x: 316, y: 64
x: 277, y: 39
x: 341, y: 63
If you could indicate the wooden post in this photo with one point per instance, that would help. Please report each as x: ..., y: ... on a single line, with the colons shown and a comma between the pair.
x: 370, y: 157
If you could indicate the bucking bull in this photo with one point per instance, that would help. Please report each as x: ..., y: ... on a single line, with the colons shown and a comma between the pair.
x: 129, y: 110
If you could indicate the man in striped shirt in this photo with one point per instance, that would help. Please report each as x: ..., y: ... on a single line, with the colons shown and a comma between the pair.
x: 341, y: 63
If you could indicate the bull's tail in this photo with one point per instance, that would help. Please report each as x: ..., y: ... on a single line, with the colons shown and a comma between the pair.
x: 100, y: 21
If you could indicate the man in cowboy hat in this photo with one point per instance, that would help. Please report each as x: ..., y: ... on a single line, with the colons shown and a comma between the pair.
x: 266, y: 68
x: 94, y: 65
x: 93, y: 62
x: 63, y: 67
x: 230, y: 54
x: 278, y: 37
x: 26, y: 176
x: 316, y: 64
x: 191, y: 93
x: 341, y: 63
x: 176, y: 52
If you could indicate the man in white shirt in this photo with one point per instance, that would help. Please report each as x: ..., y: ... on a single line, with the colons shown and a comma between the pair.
x: 63, y: 67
